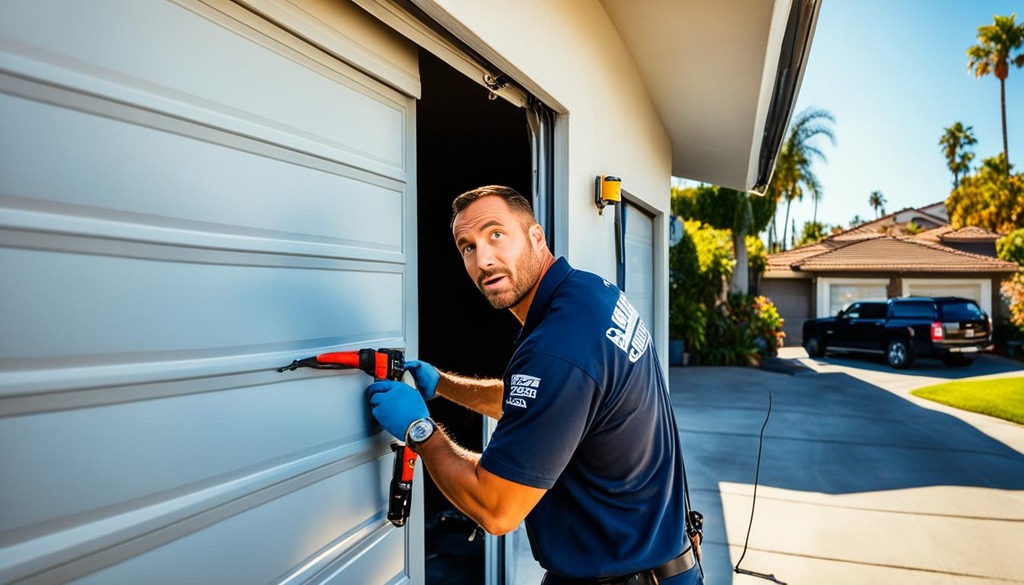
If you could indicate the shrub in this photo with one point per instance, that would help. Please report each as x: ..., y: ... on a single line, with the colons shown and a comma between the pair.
x: 734, y: 329
x: 742, y: 331
x: 699, y: 266
x: 1012, y: 290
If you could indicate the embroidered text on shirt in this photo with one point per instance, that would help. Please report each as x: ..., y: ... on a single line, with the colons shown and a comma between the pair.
x: 522, y: 387
x: 628, y: 332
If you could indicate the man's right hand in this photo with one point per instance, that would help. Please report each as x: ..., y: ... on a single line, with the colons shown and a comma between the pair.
x: 426, y: 377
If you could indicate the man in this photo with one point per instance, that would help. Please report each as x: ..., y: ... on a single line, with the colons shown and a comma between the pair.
x: 586, y: 448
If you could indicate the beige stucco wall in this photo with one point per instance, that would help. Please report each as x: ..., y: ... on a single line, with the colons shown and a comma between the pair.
x: 570, y: 52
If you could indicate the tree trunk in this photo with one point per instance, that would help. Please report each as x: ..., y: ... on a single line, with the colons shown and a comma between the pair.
x: 740, y: 281
x: 785, y: 225
x: 1002, y: 100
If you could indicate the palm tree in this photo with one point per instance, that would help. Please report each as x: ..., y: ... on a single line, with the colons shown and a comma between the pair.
x: 877, y: 202
x: 954, y: 143
x: 993, y: 54
x: 793, y: 173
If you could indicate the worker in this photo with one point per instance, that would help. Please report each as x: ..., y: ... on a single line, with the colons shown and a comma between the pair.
x: 586, y: 448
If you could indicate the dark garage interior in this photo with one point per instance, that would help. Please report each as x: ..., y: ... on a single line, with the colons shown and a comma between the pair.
x: 464, y: 140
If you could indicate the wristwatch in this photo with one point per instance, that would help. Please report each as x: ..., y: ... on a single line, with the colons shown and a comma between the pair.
x: 419, y: 432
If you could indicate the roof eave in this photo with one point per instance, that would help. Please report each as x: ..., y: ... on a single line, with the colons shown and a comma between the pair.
x: 724, y: 78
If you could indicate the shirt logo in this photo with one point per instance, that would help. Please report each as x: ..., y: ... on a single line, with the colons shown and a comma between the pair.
x: 627, y: 331
x: 522, y: 387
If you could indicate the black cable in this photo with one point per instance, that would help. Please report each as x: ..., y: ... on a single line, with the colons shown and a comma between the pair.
x: 690, y: 516
x: 753, y: 502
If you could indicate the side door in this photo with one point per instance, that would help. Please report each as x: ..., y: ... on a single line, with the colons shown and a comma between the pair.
x: 844, y: 332
x: 639, y: 261
x: 912, y: 319
x: 867, y: 330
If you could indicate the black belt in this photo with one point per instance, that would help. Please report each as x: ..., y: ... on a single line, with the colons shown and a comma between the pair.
x: 684, y: 562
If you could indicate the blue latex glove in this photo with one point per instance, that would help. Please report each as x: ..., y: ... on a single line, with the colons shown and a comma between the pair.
x: 426, y: 377
x: 396, y: 406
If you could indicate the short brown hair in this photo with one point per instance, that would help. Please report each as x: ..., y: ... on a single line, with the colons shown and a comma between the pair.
x: 515, y: 201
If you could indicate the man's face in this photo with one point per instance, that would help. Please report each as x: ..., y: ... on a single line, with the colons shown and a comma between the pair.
x: 499, y: 255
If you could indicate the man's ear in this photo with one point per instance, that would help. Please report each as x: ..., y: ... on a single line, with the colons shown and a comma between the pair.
x: 537, y: 236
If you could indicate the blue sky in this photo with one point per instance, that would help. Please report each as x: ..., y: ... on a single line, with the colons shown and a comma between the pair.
x: 894, y: 75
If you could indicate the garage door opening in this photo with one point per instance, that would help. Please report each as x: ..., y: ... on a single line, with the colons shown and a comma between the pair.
x: 464, y: 140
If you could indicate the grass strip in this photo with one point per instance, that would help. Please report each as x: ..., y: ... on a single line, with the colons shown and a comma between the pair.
x: 1002, y: 398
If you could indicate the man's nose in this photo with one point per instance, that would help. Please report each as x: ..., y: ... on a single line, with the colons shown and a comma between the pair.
x: 484, y: 256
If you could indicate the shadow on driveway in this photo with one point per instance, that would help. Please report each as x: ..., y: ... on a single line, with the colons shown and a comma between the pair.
x: 925, y: 367
x: 829, y: 433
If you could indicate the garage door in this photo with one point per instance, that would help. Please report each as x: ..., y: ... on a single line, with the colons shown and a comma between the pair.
x: 188, y: 200
x: 978, y: 290
x: 792, y: 298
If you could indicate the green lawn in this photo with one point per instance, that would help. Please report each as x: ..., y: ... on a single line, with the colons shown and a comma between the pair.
x: 1002, y: 398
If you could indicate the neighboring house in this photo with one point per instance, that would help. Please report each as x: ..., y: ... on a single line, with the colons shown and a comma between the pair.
x: 195, y: 192
x: 937, y: 209
x: 882, y: 259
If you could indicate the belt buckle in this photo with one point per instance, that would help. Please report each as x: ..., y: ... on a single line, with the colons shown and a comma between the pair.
x: 639, y: 579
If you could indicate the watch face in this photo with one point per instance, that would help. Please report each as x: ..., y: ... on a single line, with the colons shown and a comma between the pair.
x: 420, y: 431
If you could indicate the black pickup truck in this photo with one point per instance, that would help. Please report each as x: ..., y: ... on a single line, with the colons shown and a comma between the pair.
x: 952, y: 329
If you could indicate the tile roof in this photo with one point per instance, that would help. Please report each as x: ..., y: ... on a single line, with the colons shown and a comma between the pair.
x: 935, y: 234
x: 884, y: 245
x: 886, y: 254
x: 970, y: 234
x: 783, y: 260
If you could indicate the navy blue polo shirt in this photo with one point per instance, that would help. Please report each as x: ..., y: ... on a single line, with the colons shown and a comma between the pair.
x: 587, y: 416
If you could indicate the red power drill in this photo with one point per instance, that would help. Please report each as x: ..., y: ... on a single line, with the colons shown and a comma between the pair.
x: 382, y: 364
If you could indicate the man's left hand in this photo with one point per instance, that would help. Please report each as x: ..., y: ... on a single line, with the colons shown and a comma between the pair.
x: 396, y: 406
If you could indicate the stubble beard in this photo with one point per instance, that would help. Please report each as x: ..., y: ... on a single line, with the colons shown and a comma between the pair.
x: 523, y: 276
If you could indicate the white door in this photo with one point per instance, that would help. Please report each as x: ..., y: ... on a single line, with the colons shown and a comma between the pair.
x: 639, y: 246
x: 188, y: 201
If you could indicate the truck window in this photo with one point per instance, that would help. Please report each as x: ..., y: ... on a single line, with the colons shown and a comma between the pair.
x: 913, y: 310
x: 872, y: 311
x: 961, y: 311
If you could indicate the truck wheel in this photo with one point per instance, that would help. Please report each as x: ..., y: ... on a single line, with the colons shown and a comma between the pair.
x: 815, y: 348
x: 898, y: 354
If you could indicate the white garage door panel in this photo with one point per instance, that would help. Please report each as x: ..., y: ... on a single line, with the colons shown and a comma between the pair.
x: 969, y: 291
x: 77, y: 461
x: 245, y: 543
x: 128, y: 309
x: 56, y: 155
x: 186, y: 203
x: 160, y: 55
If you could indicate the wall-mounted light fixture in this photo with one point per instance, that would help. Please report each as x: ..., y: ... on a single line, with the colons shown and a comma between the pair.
x: 607, y: 191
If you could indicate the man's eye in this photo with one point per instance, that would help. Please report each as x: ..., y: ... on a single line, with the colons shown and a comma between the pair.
x: 467, y: 249
x: 497, y: 235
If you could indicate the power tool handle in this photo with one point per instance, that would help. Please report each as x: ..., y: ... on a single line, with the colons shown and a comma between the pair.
x: 400, y: 493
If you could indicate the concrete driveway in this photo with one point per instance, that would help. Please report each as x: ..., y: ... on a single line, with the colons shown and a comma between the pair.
x: 860, y: 482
